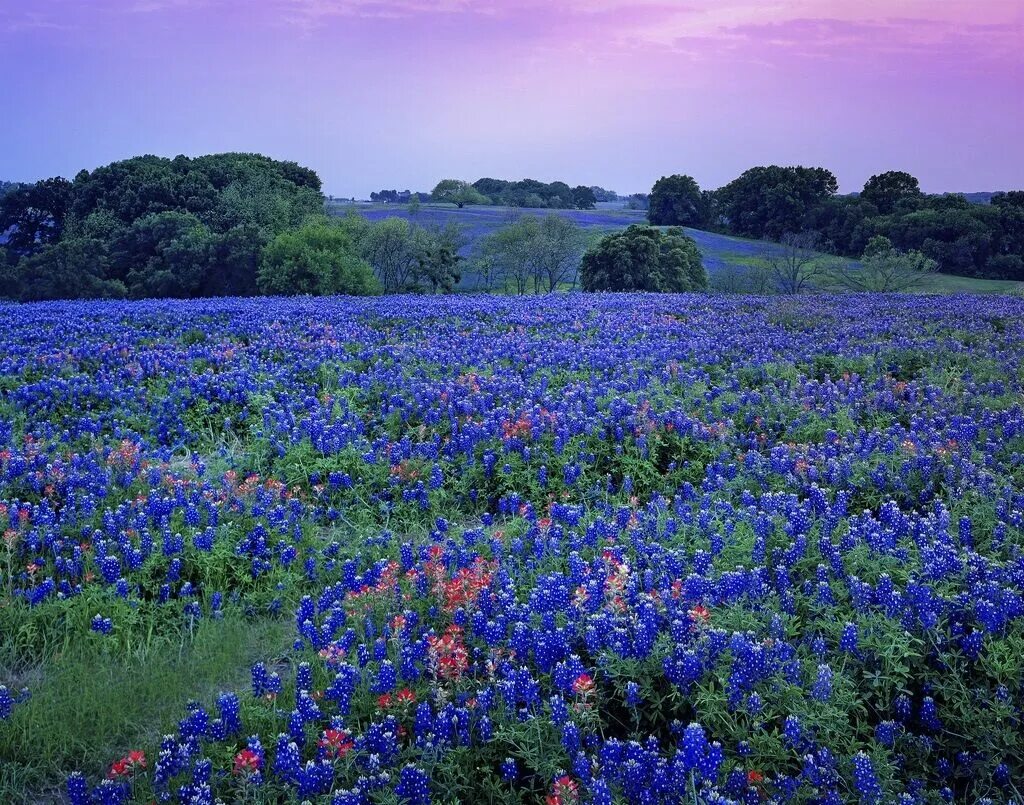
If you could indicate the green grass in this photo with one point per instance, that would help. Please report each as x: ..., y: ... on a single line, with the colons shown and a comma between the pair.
x: 948, y: 283
x: 92, y: 703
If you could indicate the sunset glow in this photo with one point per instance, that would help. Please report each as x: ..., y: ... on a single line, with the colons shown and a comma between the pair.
x: 382, y: 93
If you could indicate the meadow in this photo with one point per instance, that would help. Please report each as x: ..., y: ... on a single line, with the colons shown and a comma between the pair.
x: 724, y: 256
x: 564, y: 549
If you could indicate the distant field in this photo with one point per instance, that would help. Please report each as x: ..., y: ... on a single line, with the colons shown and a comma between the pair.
x: 721, y: 253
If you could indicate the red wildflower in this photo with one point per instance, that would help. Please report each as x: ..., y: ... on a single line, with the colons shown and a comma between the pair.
x: 701, y: 613
x: 247, y: 762
x: 564, y: 791
x: 127, y: 765
x: 448, y: 654
x: 405, y: 696
x: 336, y: 743
x: 583, y: 685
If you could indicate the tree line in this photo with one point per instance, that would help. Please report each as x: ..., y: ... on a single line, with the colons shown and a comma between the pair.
x: 524, y: 193
x: 775, y: 203
x: 219, y: 225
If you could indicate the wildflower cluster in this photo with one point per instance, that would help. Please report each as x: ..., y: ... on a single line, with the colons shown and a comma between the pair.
x: 578, y: 549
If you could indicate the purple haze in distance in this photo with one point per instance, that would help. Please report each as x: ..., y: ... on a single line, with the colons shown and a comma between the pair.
x: 400, y: 93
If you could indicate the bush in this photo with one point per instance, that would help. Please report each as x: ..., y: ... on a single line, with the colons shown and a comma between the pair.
x: 643, y: 258
x: 320, y: 259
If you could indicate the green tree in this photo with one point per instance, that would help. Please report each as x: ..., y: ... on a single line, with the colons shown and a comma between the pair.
x: 770, y: 201
x: 676, y: 201
x: 532, y: 253
x: 885, y: 269
x: 393, y: 248
x: 794, y: 265
x: 318, y: 258
x: 643, y: 258
x: 163, y: 227
x: 457, y: 192
x: 439, y: 261
x: 33, y: 215
x: 162, y: 254
x: 891, y: 189
x: 584, y: 198
x: 70, y: 269
x: 556, y: 248
x: 506, y: 256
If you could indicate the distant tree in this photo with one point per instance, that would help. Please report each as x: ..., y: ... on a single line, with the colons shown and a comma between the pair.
x: 885, y: 269
x: 33, y: 215
x: 794, y: 265
x: 676, y: 201
x: 643, y: 258
x: 492, y: 188
x: 457, y: 192
x: 538, y: 254
x: 639, y: 201
x: 408, y: 257
x: 414, y: 204
x: 769, y: 201
x: 888, y: 190
x: 603, y: 195
x: 392, y: 247
x: 318, y: 258
x: 557, y: 248
x: 583, y: 198
x: 1013, y: 198
x: 507, y: 254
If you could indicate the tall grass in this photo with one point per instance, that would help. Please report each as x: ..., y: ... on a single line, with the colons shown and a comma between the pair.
x: 92, y: 699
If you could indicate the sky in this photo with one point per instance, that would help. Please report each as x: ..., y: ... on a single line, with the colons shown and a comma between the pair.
x: 401, y: 93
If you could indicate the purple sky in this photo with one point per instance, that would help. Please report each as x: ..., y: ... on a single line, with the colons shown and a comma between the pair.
x: 401, y: 93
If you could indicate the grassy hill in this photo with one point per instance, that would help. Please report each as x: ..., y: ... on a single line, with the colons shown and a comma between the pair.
x: 723, y: 254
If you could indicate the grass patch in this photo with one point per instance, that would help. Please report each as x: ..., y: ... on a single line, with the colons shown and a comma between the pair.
x: 92, y: 702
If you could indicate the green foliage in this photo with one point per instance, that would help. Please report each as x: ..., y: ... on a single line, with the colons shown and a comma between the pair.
x: 643, y: 258
x: 537, y: 194
x: 889, y: 190
x: 885, y: 269
x: 319, y: 258
x: 677, y: 201
x: 33, y: 215
x: 153, y: 226
x: 767, y: 202
x: 541, y: 254
x: 457, y: 192
x: 584, y: 198
x: 71, y: 268
x: 408, y: 257
x: 93, y: 698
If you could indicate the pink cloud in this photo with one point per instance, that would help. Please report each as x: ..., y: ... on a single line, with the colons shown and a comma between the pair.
x: 399, y: 92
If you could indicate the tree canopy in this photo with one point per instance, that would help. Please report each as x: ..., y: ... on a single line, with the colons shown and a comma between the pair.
x: 643, y: 258
x: 532, y: 253
x: 888, y: 190
x: 152, y: 226
x: 768, y: 202
x: 318, y: 258
x: 776, y: 203
x: 677, y: 201
x: 457, y: 192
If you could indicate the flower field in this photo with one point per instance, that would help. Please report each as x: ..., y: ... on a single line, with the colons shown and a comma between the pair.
x: 564, y: 550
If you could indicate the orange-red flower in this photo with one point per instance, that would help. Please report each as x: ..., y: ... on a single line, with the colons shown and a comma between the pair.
x: 247, y: 762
